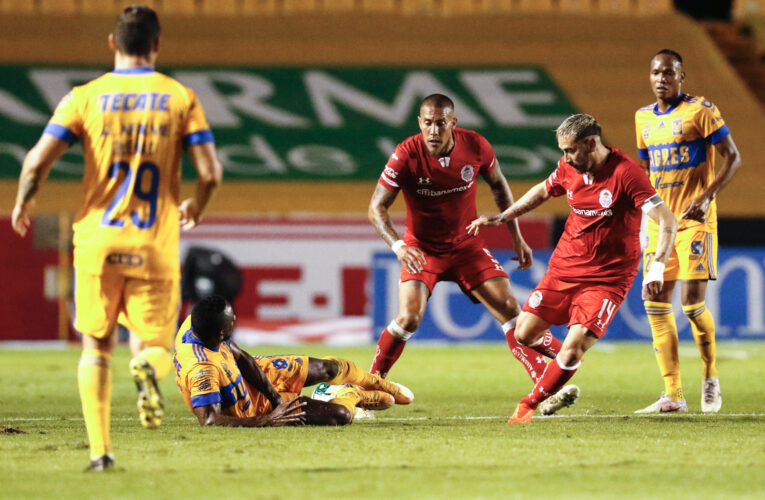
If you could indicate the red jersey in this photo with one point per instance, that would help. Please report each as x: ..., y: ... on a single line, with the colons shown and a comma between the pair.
x: 601, y: 239
x: 439, y: 191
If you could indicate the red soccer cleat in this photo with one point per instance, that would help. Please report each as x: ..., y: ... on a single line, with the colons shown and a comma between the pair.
x: 522, y: 414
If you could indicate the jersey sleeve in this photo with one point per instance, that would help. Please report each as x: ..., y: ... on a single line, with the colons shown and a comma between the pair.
x: 395, y: 170
x: 196, y: 129
x: 642, y: 148
x: 638, y: 186
x: 488, y: 159
x: 710, y: 122
x: 66, y: 122
x: 554, y: 180
x: 203, y: 384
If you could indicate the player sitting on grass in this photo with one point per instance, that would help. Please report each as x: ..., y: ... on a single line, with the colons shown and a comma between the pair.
x: 223, y: 385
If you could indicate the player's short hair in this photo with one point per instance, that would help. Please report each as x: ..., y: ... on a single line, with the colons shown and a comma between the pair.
x: 580, y: 126
x: 137, y: 30
x: 672, y: 53
x: 207, y: 317
x: 438, y: 101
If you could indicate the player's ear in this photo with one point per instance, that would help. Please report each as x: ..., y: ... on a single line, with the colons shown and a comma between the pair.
x: 112, y: 42
x: 454, y: 121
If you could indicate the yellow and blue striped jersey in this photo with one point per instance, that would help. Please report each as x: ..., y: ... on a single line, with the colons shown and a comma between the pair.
x: 207, y: 377
x: 133, y: 124
x: 679, y: 144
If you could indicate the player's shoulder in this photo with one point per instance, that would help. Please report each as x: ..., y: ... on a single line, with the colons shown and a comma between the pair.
x: 646, y: 110
x: 408, y: 147
x: 625, y: 164
x: 470, y: 137
x: 697, y: 104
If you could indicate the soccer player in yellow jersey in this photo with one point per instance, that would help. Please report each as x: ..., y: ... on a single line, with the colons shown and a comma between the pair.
x: 677, y: 138
x: 223, y: 385
x: 134, y: 124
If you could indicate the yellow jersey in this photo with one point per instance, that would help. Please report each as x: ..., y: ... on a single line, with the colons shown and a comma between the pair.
x: 205, y: 376
x: 679, y: 144
x: 133, y: 124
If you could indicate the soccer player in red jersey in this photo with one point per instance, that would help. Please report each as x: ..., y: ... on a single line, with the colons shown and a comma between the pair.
x: 596, y: 259
x: 436, y: 170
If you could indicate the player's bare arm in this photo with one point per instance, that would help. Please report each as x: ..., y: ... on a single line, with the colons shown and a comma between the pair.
x: 254, y: 376
x: 697, y: 208
x: 209, y: 177
x: 529, y: 201
x: 503, y: 198
x: 37, y: 165
x: 382, y: 199
x: 288, y: 413
x: 654, y: 278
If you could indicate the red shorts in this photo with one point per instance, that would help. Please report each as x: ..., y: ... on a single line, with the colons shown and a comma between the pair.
x: 468, y: 267
x: 592, y: 305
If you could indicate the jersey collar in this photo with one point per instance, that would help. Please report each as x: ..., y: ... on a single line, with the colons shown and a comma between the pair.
x: 138, y: 70
x: 188, y: 338
x: 669, y: 109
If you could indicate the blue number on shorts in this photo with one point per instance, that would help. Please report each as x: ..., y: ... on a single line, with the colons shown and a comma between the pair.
x: 647, y: 262
x: 150, y: 195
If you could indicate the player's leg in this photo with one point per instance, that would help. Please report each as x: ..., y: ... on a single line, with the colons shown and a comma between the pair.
x: 97, y: 299
x: 150, y: 313
x: 693, y: 294
x: 412, y: 300
x: 338, y: 371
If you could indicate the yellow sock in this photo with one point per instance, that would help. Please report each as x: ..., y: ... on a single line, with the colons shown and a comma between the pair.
x: 159, y: 358
x: 350, y: 373
x: 94, y: 378
x: 664, y: 331
x: 703, y: 327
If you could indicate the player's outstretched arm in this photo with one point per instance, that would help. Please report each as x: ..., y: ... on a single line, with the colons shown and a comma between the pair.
x: 529, y: 201
x: 654, y: 278
x: 209, y: 177
x: 35, y: 169
x: 288, y: 413
x: 697, y: 208
x: 503, y: 198
x: 254, y: 375
x: 382, y: 199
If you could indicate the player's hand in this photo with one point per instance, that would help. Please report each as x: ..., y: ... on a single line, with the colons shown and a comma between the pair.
x: 653, y: 281
x: 524, y: 253
x: 189, y: 215
x: 697, y: 209
x: 288, y: 413
x: 20, y: 218
x: 412, y: 257
x: 484, y: 220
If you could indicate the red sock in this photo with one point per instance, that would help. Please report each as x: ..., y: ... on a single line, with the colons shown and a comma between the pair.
x: 551, y: 382
x: 388, y: 350
x: 548, y: 345
x: 533, y: 363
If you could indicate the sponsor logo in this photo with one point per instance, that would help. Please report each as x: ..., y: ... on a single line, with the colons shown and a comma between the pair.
x: 569, y: 194
x: 225, y: 369
x: 593, y: 213
x: 430, y: 192
x: 700, y: 267
x: 423, y: 180
x: 677, y: 127
x: 204, y: 385
x: 661, y: 125
x: 124, y: 259
x: 390, y: 172
x: 467, y: 173
x: 606, y: 198
x: 535, y: 299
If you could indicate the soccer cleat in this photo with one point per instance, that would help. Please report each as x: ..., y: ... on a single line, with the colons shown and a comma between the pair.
x: 368, y: 400
x: 711, y: 399
x: 521, y: 415
x: 150, y: 405
x: 564, y: 398
x: 102, y: 463
x: 364, y: 414
x: 665, y: 404
x: 401, y: 394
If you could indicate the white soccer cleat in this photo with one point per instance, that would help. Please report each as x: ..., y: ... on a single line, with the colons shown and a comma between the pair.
x: 364, y: 414
x: 405, y: 397
x: 564, y: 398
x: 711, y: 399
x: 665, y: 404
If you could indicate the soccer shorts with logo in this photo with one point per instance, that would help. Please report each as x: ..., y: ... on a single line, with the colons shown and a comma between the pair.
x: 148, y: 308
x: 694, y: 256
x: 468, y: 267
x: 286, y: 373
x: 590, y: 304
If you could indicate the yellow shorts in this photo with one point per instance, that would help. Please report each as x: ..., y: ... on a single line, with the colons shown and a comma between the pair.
x: 286, y: 373
x: 694, y: 256
x: 148, y: 308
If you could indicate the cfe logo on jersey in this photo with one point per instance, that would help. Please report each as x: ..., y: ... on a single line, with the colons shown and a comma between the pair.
x: 535, y: 299
x: 606, y: 198
x: 467, y: 173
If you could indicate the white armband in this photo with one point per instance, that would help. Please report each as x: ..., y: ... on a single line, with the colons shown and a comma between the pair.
x: 396, y: 245
x: 650, y: 203
x: 655, y: 273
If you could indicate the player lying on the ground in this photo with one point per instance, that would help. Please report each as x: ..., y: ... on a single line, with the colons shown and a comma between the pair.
x: 223, y: 385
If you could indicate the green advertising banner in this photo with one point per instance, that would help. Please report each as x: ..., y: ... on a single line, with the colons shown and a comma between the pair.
x: 315, y: 123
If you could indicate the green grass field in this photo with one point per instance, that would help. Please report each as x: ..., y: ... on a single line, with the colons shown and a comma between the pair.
x: 453, y: 442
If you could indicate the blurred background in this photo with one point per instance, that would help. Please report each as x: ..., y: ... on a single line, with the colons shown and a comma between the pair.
x: 308, y: 98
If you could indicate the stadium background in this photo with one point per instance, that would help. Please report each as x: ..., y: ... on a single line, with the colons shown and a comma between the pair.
x: 292, y: 212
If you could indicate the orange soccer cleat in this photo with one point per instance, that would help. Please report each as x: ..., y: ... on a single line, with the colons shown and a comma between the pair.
x: 522, y: 414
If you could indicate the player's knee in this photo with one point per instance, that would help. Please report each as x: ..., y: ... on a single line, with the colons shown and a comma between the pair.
x: 525, y: 335
x: 404, y: 325
x: 570, y: 356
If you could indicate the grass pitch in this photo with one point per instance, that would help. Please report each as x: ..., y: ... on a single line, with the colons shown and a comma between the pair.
x: 452, y: 442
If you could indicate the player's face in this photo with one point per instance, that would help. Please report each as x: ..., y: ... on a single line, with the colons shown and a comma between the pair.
x: 436, y: 125
x: 229, y: 318
x: 666, y: 77
x: 578, y: 154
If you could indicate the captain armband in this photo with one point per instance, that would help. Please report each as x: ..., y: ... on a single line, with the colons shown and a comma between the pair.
x: 650, y: 203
